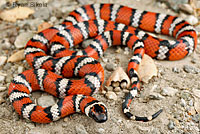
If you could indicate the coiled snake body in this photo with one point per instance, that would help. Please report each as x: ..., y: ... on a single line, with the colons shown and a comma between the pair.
x: 52, y: 62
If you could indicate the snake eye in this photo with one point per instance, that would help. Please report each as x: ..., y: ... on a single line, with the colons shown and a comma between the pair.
x: 99, y: 113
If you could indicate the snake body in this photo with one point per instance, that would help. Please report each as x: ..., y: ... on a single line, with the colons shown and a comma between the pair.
x: 53, y: 62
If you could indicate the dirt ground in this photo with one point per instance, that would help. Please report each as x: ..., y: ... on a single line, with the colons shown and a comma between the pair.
x: 180, y: 110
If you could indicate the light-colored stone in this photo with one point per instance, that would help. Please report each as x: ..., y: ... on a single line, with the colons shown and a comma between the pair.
x: 147, y: 69
x: 2, y: 89
x: 169, y: 91
x: 111, y: 95
x: 192, y: 19
x: 2, y: 60
x: 22, y: 39
x: 20, y: 69
x: 46, y: 101
x: 18, y: 56
x: 187, y: 8
x: 80, y: 129
x: 2, y: 78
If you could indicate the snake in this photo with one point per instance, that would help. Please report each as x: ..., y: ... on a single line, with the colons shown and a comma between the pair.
x: 73, y: 76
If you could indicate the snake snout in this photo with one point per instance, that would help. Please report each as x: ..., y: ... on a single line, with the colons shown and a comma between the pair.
x: 99, y: 113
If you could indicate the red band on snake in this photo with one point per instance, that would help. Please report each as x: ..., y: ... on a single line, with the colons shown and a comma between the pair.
x: 110, y: 24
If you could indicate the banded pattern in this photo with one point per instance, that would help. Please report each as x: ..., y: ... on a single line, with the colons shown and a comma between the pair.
x: 112, y: 25
x: 76, y: 100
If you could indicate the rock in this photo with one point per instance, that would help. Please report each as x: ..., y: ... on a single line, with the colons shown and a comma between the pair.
x: 147, y: 69
x: 191, y: 111
x: 192, y: 19
x: 198, y: 28
x: 191, y: 103
x: 183, y: 102
x: 171, y: 125
x: 20, y: 69
x: 196, y: 118
x: 80, y: 129
x: 118, y: 50
x: 53, y: 19
x: 2, y: 78
x: 169, y: 91
x: 187, y: 8
x: 190, y: 69
x: 155, y: 96
x: 176, y: 70
x: 117, y: 89
x: 126, y: 50
x: 2, y: 89
x: 46, y: 101
x: 2, y: 100
x: 18, y: 56
x: 7, y: 66
x: 111, y: 95
x: 66, y: 9
x: 83, y: 2
x: 110, y: 67
x: 2, y: 60
x: 101, y: 130
x: 22, y: 39
x: 108, y: 88
x: 5, y: 44
x: 43, y: 13
x: 16, y: 13
x: 2, y: 2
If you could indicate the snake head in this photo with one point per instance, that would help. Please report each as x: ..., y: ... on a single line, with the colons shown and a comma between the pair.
x: 98, y: 112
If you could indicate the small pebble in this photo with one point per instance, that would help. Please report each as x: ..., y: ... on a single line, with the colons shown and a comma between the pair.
x: 83, y: 2
x: 117, y: 89
x: 196, y: 118
x: 53, y: 19
x: 156, y: 96
x: 171, y: 125
x: 169, y: 91
x: 2, y: 100
x: 190, y: 69
x: 187, y: 8
x: 125, y: 90
x: 191, y: 111
x: 22, y: 39
x: 80, y: 129
x: 183, y: 103
x: 43, y: 13
x: 46, y: 101
x: 176, y: 70
x: 192, y: 19
x: 5, y: 44
x: 2, y: 89
x: 2, y: 78
x: 111, y: 95
x: 110, y: 67
x: 108, y: 88
x: 20, y: 69
x: 2, y: 60
x: 198, y: 28
x: 194, y: 61
x: 101, y: 131
x: 191, y: 103
x: 118, y: 50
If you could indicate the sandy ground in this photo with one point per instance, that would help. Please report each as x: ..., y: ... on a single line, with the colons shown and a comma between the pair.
x: 174, y: 109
